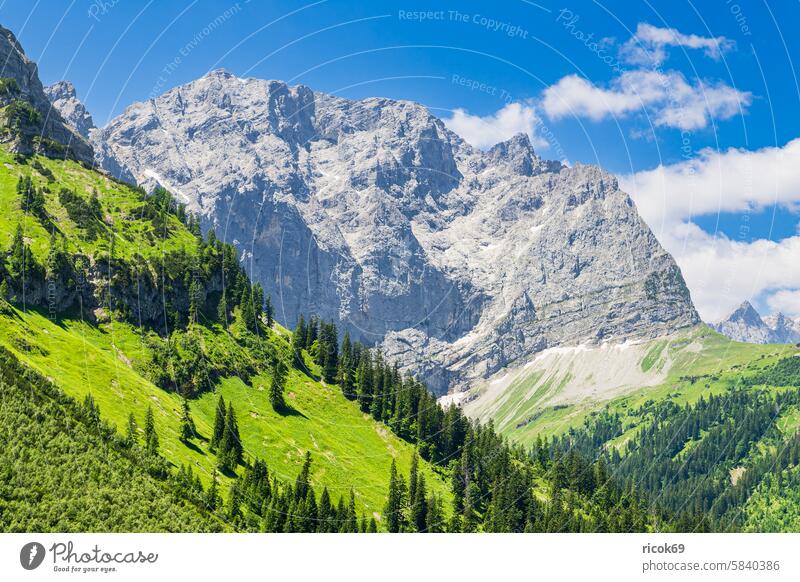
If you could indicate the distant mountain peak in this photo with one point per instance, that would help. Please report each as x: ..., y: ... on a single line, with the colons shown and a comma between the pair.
x: 746, y: 324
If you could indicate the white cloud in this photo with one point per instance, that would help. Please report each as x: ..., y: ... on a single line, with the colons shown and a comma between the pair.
x: 484, y: 132
x: 720, y: 271
x: 733, y: 180
x: 649, y: 44
x: 668, y: 97
x: 786, y: 301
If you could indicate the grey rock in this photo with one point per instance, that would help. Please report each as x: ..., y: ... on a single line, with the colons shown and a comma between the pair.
x: 372, y: 213
x: 47, y: 132
x: 62, y: 96
x: 746, y: 325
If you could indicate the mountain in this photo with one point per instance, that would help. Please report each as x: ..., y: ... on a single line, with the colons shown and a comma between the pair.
x: 28, y: 122
x: 457, y: 262
x: 746, y: 325
x: 63, y: 97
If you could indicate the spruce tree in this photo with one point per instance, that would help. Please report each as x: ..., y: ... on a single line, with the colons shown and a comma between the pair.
x: 222, y: 309
x: 132, y: 434
x: 231, y: 450
x: 302, y: 483
x: 394, y: 501
x: 419, y: 507
x: 269, y: 311
x: 277, y: 385
x: 150, y: 435
x: 188, y: 429
x: 212, y: 495
x: 219, y: 424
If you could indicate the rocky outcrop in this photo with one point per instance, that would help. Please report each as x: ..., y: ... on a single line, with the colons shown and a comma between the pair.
x: 746, y: 325
x: 28, y: 121
x: 63, y: 97
x: 458, y: 262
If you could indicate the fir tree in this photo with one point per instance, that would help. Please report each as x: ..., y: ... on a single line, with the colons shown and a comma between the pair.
x: 302, y: 483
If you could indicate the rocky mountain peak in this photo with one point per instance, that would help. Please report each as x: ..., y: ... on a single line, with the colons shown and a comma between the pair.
x: 746, y: 325
x: 64, y: 98
x: 31, y: 123
x: 372, y: 213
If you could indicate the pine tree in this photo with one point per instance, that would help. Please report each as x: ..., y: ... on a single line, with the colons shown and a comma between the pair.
x: 150, y: 434
x: 219, y: 424
x: 258, y: 301
x: 188, y: 429
x: 325, y: 513
x: 277, y: 385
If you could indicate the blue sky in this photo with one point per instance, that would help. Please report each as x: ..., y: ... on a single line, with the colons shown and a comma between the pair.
x: 658, y: 93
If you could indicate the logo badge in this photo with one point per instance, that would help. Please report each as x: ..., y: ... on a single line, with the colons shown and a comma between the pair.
x: 31, y: 555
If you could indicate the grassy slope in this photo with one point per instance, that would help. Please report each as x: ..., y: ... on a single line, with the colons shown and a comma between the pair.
x: 692, y: 363
x: 349, y: 449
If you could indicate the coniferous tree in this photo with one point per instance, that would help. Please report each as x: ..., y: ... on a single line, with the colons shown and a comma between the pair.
x: 150, y: 434
x: 219, y: 424
x: 269, y: 311
x: 394, y: 501
x: 222, y: 309
x: 419, y: 507
x: 132, y: 434
x: 277, y: 385
x: 188, y: 429
x: 212, y: 496
x: 302, y: 483
x: 230, y: 448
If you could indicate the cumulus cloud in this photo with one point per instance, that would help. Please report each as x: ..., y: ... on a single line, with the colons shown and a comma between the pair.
x: 733, y: 180
x: 786, y: 301
x: 649, y: 45
x: 721, y: 271
x: 667, y: 97
x: 484, y: 132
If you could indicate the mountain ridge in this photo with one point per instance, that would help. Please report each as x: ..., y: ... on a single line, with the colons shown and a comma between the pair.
x: 746, y: 324
x: 455, y: 261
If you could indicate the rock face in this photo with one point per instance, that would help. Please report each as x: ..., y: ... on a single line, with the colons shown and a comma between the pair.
x: 29, y: 122
x: 458, y: 262
x: 62, y: 96
x: 746, y: 325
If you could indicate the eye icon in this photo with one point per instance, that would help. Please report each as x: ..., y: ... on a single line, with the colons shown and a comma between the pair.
x: 31, y: 555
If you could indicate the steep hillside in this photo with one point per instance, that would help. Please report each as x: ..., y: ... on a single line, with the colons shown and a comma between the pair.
x: 372, y: 214
x: 84, y: 341
x: 113, y: 299
x: 558, y: 389
x: 62, y: 471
